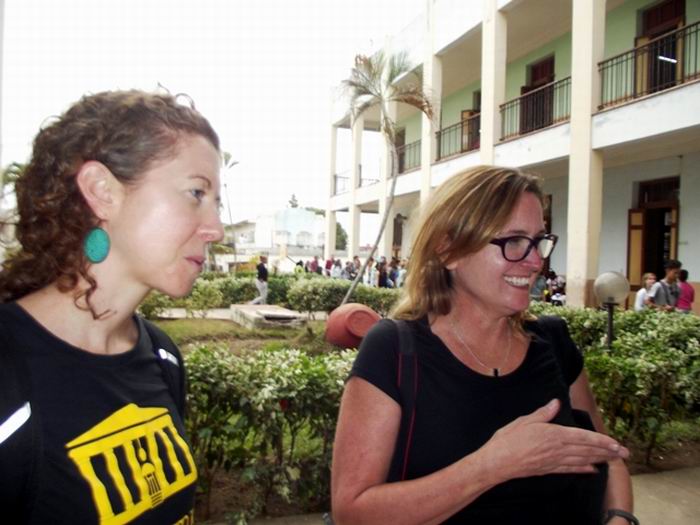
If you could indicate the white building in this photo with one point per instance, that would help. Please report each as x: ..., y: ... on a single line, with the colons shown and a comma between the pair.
x: 601, y: 99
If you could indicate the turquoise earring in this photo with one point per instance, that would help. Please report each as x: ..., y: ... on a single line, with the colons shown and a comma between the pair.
x: 96, y: 245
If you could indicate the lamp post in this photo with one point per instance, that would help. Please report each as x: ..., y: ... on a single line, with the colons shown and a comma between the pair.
x: 228, y: 164
x: 611, y: 288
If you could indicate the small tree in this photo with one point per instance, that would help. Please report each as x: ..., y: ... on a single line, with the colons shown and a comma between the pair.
x: 373, y: 82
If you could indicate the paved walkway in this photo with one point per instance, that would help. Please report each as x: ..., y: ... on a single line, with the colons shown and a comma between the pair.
x: 666, y: 498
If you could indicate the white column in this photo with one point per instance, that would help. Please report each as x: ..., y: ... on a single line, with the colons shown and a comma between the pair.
x: 585, y: 165
x: 358, y: 125
x: 432, y: 84
x: 493, y: 78
x: 329, y: 242
x: 329, y: 247
x: 386, y: 241
x: 354, y: 231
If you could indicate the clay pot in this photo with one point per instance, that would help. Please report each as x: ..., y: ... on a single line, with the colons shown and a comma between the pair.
x: 348, y: 324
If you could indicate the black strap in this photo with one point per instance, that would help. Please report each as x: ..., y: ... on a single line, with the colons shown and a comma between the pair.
x: 623, y: 514
x: 407, y: 381
x: 170, y: 362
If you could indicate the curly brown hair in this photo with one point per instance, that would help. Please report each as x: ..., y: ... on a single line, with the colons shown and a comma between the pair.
x: 127, y: 131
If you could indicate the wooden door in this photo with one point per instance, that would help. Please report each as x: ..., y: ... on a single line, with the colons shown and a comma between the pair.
x: 536, y: 110
x: 470, y: 129
x: 635, y: 247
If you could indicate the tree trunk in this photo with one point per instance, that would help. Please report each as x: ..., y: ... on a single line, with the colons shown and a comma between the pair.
x: 385, y: 219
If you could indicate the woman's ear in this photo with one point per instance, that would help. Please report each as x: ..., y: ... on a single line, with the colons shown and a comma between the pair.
x: 101, y: 190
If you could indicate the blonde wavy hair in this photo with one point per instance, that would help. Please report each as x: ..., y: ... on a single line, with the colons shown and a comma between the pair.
x: 460, y: 218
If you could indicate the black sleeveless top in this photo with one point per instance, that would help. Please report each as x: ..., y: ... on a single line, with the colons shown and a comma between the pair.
x: 458, y: 410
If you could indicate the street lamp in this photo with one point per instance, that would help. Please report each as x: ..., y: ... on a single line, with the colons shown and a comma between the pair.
x: 228, y: 164
x: 611, y: 288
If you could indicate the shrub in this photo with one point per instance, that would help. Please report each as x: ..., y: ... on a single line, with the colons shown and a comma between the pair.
x: 325, y: 295
x: 250, y: 411
x: 651, y: 373
x: 204, y: 296
x: 154, y: 305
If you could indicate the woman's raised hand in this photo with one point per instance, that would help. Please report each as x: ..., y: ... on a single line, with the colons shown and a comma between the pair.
x: 532, y: 446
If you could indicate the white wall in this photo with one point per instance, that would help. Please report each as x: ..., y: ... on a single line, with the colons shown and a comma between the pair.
x: 558, y: 188
x: 619, y: 196
x: 689, y: 222
x: 453, y: 19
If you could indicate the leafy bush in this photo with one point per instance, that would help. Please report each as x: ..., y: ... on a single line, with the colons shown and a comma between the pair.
x: 651, y: 373
x: 325, y: 295
x: 204, y: 296
x: 237, y: 290
x: 154, y: 305
x: 248, y: 412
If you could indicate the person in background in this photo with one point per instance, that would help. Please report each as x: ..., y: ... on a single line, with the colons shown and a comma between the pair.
x: 313, y: 265
x: 648, y: 280
x: 686, y: 297
x: 299, y: 267
x: 337, y: 269
x: 538, y: 288
x: 261, y: 281
x: 356, y: 263
x: 348, y: 272
x: 382, y: 275
x: 370, y: 276
x: 505, y: 429
x: 401, y: 277
x: 328, y: 266
x: 120, y: 197
x: 664, y: 293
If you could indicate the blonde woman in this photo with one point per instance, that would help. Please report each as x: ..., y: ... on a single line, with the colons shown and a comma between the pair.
x: 500, y: 397
x: 648, y: 279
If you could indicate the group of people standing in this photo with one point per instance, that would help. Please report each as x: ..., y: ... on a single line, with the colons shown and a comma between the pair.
x: 672, y: 293
x: 379, y: 273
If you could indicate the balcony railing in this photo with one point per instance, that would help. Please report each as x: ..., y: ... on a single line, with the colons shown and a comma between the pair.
x: 364, y: 181
x: 459, y: 138
x: 537, y: 109
x: 409, y: 156
x: 341, y: 183
x: 659, y: 64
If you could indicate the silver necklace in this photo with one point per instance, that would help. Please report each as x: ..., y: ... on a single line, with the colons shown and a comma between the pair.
x: 496, y: 370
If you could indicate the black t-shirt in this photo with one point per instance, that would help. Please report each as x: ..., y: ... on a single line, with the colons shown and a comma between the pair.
x: 262, y: 272
x: 458, y: 410
x: 112, y: 445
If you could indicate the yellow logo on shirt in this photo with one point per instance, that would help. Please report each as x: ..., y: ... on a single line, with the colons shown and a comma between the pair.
x: 152, y: 455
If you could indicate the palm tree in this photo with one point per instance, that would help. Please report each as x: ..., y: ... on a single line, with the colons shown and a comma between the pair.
x: 373, y: 83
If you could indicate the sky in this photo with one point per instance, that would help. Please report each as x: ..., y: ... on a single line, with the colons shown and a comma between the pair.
x: 262, y: 71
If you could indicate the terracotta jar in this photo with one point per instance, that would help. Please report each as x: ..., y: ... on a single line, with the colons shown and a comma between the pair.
x: 348, y: 324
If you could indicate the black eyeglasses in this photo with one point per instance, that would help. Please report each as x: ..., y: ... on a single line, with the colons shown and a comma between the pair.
x: 517, y: 247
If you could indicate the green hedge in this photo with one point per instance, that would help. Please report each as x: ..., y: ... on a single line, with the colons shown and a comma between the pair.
x: 269, y: 415
x: 649, y: 376
x: 303, y: 292
x: 325, y: 295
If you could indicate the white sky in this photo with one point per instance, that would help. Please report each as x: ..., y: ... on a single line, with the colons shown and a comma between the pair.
x: 262, y: 71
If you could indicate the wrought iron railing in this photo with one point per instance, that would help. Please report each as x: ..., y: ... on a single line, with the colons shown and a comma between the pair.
x: 341, y: 183
x: 659, y: 64
x: 459, y: 138
x: 541, y: 107
x: 409, y: 156
x: 365, y: 181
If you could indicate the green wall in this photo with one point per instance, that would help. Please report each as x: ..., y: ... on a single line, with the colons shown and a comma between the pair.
x: 621, y: 23
x: 516, y: 72
x: 412, y: 125
x: 692, y: 11
x: 452, y: 106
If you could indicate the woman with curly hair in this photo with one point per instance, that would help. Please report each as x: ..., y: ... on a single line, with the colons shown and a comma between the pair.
x: 120, y: 197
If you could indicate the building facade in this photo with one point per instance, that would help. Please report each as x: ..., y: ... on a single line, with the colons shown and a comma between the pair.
x: 600, y: 98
